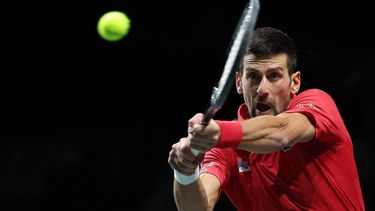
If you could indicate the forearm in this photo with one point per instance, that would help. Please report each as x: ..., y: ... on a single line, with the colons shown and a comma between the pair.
x: 192, y: 190
x: 267, y: 134
x: 190, y: 197
x: 264, y: 134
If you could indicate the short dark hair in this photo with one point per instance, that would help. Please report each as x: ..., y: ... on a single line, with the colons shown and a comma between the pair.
x: 268, y: 41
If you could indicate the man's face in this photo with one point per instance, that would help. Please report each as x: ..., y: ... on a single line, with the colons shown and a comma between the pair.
x: 266, y: 85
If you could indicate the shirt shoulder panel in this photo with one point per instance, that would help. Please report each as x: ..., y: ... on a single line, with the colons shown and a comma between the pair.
x: 319, y: 107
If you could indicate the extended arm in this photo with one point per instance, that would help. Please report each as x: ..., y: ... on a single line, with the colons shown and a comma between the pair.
x: 262, y: 134
x: 266, y: 134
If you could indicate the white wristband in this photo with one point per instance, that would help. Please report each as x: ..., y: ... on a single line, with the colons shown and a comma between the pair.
x: 186, y: 180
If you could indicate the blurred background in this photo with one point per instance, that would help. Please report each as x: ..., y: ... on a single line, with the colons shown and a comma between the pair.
x: 88, y: 124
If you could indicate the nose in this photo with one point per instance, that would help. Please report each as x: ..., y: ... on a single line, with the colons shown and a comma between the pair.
x: 263, y: 87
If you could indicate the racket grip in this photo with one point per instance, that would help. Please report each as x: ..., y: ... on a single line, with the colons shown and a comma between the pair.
x: 186, y: 180
x: 194, y: 151
x: 209, y: 115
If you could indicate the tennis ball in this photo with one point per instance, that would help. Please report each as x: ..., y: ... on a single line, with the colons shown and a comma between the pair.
x: 113, y: 25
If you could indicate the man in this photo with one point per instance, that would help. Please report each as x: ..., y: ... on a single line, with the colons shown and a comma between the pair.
x: 285, y: 151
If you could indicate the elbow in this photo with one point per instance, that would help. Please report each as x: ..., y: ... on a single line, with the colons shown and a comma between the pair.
x: 283, y: 143
x: 269, y: 146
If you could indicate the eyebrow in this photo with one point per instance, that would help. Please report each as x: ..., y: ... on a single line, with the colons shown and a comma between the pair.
x: 275, y: 69
x: 250, y: 69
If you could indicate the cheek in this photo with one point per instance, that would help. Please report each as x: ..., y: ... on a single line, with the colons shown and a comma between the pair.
x: 282, y: 99
x: 251, y: 90
x: 248, y: 94
x: 282, y: 89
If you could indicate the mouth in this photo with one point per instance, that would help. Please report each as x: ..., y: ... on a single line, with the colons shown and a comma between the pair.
x: 262, y: 107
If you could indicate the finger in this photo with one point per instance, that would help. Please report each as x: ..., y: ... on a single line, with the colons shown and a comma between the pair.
x: 190, y: 130
x: 200, y: 143
x: 198, y: 128
x: 196, y: 119
x: 182, y: 168
x: 174, y: 166
x: 183, y: 161
x: 185, y: 149
x: 183, y: 153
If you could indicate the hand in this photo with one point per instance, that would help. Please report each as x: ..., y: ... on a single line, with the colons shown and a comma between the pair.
x: 203, y: 138
x: 182, y: 159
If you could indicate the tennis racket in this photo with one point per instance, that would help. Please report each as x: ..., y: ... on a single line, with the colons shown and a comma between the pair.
x: 237, y: 47
x: 243, y: 32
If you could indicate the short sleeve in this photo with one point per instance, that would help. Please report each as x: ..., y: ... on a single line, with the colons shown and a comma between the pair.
x: 217, y: 162
x: 323, y: 113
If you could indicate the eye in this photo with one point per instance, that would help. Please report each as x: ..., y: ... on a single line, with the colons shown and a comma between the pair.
x: 253, y: 76
x: 273, y: 76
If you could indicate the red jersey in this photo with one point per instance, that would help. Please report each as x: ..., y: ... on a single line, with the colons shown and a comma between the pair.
x: 317, y: 175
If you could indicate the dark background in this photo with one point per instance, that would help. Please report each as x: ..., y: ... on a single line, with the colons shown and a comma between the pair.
x: 87, y: 124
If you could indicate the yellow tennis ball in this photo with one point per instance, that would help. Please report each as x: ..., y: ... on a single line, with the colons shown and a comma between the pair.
x: 113, y: 25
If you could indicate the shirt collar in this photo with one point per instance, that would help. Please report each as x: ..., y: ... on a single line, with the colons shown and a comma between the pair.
x: 243, y: 113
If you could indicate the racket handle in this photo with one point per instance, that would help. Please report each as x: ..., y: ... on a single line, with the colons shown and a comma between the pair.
x: 194, y: 151
x: 210, y: 113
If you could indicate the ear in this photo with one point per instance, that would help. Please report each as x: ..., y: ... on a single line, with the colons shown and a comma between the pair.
x: 238, y: 83
x: 295, y: 82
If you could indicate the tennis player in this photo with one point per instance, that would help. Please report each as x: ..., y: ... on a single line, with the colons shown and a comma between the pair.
x: 285, y: 151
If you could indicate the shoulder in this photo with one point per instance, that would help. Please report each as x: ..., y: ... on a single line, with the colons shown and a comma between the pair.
x: 319, y: 107
x: 312, y: 98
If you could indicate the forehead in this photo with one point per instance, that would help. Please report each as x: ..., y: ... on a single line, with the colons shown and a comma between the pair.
x: 263, y: 64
